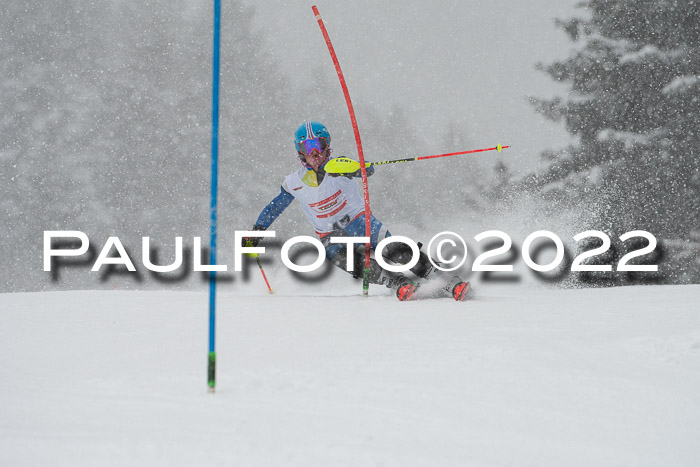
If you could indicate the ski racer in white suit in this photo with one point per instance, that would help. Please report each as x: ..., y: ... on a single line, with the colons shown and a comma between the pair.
x: 333, y: 205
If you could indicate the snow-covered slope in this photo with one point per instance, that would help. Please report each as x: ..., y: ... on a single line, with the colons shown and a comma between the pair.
x: 519, y: 376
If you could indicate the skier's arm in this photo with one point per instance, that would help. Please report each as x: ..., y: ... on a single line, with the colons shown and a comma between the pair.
x: 268, y: 215
x: 357, y: 173
x: 346, y: 167
x: 273, y: 210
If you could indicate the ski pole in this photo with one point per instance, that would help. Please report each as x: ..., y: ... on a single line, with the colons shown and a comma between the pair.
x: 257, y: 258
x: 269, y: 289
x: 421, y: 158
x: 347, y: 165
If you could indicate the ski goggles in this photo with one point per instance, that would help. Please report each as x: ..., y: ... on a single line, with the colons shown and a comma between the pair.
x: 308, y: 145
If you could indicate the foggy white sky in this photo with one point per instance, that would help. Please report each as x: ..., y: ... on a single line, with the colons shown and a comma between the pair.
x: 468, y: 62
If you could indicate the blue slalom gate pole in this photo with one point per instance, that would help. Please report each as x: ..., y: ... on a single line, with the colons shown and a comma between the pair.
x: 214, y: 190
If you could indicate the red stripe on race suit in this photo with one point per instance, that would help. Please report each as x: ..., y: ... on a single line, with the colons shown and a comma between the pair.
x: 334, y: 212
x: 330, y: 198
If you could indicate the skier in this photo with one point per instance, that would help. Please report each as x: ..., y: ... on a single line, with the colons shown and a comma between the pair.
x: 333, y: 204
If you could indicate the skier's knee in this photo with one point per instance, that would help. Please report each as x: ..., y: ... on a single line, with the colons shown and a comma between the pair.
x: 424, y: 268
x: 401, y: 253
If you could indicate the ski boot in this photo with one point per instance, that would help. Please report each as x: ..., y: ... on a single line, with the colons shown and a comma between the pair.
x: 405, y: 289
x: 459, y: 290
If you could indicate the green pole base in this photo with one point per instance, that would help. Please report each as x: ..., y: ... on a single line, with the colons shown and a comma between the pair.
x: 365, y: 282
x: 212, y: 371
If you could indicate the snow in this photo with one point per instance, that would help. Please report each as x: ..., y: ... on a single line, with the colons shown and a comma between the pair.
x: 681, y: 84
x: 519, y: 376
x: 629, y: 138
x: 641, y: 55
x: 649, y: 52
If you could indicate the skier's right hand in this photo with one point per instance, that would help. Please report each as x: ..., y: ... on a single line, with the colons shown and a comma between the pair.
x: 252, y: 241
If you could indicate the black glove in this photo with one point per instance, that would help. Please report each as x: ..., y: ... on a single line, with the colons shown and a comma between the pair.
x: 252, y: 241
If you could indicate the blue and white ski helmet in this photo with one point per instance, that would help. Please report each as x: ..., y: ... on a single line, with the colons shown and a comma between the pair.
x: 310, y: 130
x: 317, y: 136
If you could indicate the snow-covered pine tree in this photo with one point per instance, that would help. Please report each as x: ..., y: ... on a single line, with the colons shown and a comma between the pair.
x: 634, y: 104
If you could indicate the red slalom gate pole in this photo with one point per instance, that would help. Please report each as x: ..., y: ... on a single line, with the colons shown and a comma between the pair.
x: 363, y: 170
